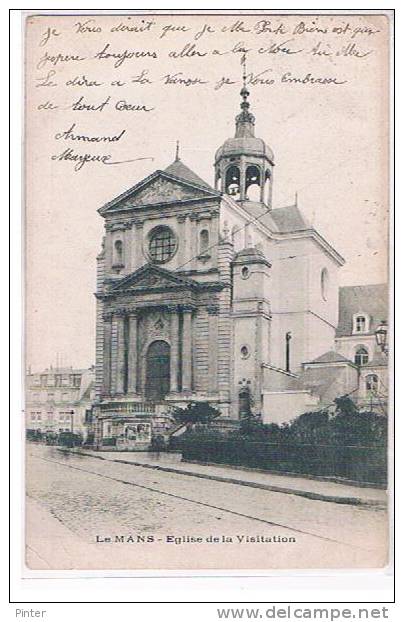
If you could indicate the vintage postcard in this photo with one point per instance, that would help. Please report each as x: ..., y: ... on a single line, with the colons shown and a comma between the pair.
x: 207, y: 286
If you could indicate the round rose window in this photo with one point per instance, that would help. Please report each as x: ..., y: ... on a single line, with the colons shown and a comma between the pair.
x: 162, y: 244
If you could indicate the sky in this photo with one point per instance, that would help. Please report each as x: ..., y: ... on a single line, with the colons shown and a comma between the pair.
x: 329, y: 136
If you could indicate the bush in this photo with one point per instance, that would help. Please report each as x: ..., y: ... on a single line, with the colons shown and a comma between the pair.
x: 196, y: 412
x: 362, y: 464
x: 69, y: 439
x: 33, y: 435
x: 109, y: 441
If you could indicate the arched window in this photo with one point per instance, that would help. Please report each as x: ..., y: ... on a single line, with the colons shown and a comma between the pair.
x: 361, y: 356
x: 360, y: 323
x: 325, y: 280
x: 233, y: 181
x: 118, y: 254
x: 203, y: 241
x: 372, y: 384
x: 253, y: 183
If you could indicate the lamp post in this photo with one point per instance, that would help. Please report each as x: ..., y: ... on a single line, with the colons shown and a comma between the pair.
x: 381, y: 334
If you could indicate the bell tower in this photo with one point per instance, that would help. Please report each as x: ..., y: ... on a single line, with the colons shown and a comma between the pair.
x: 244, y: 164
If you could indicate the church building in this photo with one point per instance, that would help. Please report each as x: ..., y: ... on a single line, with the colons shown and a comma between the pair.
x: 212, y: 294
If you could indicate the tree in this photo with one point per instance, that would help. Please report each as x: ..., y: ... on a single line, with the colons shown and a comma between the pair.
x: 350, y: 426
x: 196, y: 412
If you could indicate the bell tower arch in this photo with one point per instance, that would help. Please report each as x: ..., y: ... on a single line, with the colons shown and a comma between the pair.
x: 244, y: 164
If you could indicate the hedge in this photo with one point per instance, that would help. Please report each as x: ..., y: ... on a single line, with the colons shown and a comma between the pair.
x: 357, y: 463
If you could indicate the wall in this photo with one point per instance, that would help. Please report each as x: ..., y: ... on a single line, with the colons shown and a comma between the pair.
x: 286, y: 405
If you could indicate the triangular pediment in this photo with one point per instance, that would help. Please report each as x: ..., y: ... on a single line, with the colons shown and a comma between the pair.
x: 154, y: 277
x: 160, y: 188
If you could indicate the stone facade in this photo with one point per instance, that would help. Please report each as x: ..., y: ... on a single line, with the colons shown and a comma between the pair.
x: 211, y: 294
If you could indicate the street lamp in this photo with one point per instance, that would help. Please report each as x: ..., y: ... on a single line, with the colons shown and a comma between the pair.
x: 381, y: 334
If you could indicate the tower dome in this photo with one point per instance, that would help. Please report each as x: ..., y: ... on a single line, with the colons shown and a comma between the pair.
x: 244, y: 164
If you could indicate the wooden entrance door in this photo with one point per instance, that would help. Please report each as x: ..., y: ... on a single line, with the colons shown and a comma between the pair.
x: 157, y: 370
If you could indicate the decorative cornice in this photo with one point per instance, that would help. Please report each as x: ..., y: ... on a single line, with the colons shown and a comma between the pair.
x: 171, y: 308
x: 187, y: 308
x: 213, y: 309
x: 120, y: 312
x: 118, y: 226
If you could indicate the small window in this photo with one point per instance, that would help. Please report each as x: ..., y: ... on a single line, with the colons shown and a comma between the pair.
x: 245, y: 352
x: 324, y: 283
x: 372, y: 384
x: 360, y: 324
x: 361, y: 356
x: 245, y: 272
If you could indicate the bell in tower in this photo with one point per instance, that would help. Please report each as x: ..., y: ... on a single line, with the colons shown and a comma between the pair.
x: 244, y: 164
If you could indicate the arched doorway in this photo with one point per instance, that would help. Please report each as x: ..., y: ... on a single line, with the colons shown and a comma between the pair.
x: 244, y: 402
x: 157, y: 370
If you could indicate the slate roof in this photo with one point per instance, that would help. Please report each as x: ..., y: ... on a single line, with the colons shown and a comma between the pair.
x: 247, y: 145
x: 260, y: 212
x: 180, y: 170
x: 289, y: 218
x: 331, y: 357
x: 379, y: 360
x: 369, y: 299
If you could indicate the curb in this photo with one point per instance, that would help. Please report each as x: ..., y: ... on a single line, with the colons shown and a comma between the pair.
x: 231, y: 480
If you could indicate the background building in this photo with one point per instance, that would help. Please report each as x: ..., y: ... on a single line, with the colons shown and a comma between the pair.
x: 57, y: 399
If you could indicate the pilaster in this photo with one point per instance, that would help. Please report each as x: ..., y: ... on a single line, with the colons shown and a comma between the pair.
x: 132, y: 352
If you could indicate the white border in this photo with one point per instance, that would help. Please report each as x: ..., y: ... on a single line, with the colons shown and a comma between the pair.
x: 281, y: 586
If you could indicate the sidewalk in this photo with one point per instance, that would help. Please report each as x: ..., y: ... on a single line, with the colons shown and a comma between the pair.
x: 301, y: 486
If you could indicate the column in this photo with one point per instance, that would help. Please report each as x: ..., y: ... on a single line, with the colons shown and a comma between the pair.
x: 174, y: 351
x: 120, y: 367
x: 106, y: 374
x: 262, y: 184
x: 132, y: 353
x: 242, y: 168
x: 213, y: 311
x: 187, y: 349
